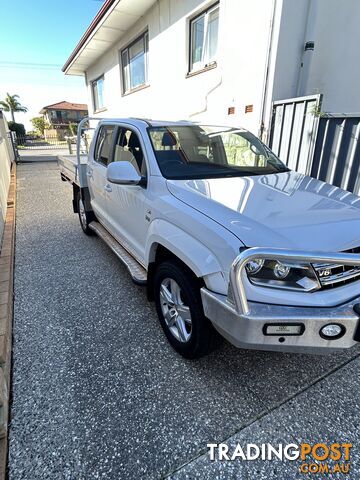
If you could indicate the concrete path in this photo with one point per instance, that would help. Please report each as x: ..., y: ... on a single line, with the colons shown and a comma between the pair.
x: 99, y: 393
x: 42, y: 155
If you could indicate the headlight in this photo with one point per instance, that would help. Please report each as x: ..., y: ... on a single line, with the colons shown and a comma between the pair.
x: 254, y: 266
x: 281, y: 271
x: 276, y: 274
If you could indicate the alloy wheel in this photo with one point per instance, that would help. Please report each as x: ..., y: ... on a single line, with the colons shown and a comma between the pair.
x: 176, y: 313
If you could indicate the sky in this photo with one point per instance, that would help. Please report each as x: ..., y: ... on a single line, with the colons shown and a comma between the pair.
x: 36, y: 38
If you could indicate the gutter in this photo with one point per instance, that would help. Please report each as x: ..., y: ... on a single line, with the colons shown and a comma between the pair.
x: 99, y: 16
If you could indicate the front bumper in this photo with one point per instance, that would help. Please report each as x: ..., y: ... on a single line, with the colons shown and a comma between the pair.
x: 244, y: 322
x: 247, y: 331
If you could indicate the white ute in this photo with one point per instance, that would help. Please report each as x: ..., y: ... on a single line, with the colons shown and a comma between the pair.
x: 226, y: 238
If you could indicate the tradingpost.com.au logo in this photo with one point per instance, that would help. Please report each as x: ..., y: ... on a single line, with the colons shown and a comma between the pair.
x: 325, y: 458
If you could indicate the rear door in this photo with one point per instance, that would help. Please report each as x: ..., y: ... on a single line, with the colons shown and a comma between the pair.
x: 98, y: 185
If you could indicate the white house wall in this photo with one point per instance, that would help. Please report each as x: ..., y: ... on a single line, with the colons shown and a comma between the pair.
x: 332, y: 67
x: 335, y: 69
x: 292, y: 33
x: 237, y: 81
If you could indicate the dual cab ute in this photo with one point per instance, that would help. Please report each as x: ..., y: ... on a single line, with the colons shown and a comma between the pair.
x: 226, y: 238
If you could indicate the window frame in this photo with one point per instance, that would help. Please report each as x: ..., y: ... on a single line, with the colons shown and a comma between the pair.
x: 144, y: 36
x: 204, y: 66
x: 97, y: 108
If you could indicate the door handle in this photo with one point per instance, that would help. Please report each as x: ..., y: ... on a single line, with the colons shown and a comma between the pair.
x: 89, y: 172
x: 108, y: 188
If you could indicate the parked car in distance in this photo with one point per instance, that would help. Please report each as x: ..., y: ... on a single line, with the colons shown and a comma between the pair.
x: 225, y: 237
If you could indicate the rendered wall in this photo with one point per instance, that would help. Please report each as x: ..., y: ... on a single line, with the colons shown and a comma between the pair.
x: 237, y: 81
x: 332, y: 67
x: 6, y: 159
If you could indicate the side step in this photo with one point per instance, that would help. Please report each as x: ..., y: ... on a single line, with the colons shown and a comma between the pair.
x: 137, y: 271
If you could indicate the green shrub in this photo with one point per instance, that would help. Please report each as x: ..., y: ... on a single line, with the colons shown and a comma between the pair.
x: 18, y: 128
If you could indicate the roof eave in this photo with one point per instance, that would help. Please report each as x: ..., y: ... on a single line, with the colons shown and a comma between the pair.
x: 90, y: 30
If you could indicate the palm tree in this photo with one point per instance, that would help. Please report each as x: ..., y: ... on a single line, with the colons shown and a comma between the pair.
x: 11, y: 104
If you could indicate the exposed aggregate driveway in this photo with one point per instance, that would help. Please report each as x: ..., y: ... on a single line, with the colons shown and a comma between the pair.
x: 99, y: 393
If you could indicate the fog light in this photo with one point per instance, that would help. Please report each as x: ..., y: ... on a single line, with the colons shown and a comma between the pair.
x: 332, y: 331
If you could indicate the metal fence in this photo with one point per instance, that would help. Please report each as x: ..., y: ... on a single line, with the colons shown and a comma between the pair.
x: 30, y: 142
x: 11, y: 142
x: 324, y: 146
x: 337, y: 152
x: 293, y: 131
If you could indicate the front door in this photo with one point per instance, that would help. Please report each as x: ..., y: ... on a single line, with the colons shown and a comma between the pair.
x: 127, y: 203
x: 96, y: 172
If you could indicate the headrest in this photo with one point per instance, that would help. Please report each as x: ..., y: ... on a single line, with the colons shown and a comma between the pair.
x: 123, y: 141
x: 168, y: 140
x: 133, y: 141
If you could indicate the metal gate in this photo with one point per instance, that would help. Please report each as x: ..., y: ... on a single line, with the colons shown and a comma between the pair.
x: 337, y: 151
x: 294, y: 129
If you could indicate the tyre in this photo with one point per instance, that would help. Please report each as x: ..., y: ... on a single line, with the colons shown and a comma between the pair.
x: 179, y: 308
x: 85, y: 217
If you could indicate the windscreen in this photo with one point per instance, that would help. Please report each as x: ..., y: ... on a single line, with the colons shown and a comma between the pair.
x: 198, y: 151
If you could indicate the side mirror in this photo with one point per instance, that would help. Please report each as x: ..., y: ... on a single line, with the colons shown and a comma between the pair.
x: 122, y: 173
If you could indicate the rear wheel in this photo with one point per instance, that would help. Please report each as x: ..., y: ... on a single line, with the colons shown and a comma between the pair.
x: 179, y: 308
x: 85, y: 217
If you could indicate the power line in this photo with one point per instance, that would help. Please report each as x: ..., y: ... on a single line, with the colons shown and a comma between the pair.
x: 30, y: 65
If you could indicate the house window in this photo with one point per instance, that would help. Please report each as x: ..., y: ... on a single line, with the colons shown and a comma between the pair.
x: 134, y: 63
x: 98, y: 93
x: 204, y: 38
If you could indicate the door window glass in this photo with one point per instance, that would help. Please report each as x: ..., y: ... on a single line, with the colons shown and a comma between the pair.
x: 103, y: 144
x: 128, y: 149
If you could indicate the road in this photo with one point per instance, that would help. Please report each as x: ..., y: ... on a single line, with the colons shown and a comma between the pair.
x: 99, y: 393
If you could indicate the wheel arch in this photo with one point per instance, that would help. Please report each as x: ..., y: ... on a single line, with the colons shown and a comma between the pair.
x: 166, y: 241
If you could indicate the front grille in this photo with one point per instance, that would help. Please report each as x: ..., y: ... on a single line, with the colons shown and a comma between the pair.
x: 331, y: 275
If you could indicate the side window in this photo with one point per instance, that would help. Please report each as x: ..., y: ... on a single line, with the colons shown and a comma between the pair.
x: 204, y: 31
x: 97, y: 87
x: 128, y: 149
x: 134, y: 63
x: 103, y: 144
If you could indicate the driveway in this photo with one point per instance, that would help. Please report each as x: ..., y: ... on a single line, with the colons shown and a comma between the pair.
x: 42, y: 154
x: 99, y: 393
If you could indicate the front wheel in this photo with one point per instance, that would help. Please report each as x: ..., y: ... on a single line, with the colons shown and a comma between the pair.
x: 84, y: 216
x: 179, y: 308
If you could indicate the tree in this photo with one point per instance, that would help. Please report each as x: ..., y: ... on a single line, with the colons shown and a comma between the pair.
x: 39, y: 124
x: 73, y: 128
x: 11, y: 104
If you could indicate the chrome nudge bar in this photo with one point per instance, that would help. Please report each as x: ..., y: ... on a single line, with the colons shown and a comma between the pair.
x: 238, y: 272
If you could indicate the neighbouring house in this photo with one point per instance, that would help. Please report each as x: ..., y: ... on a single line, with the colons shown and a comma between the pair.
x: 271, y: 66
x: 60, y: 115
